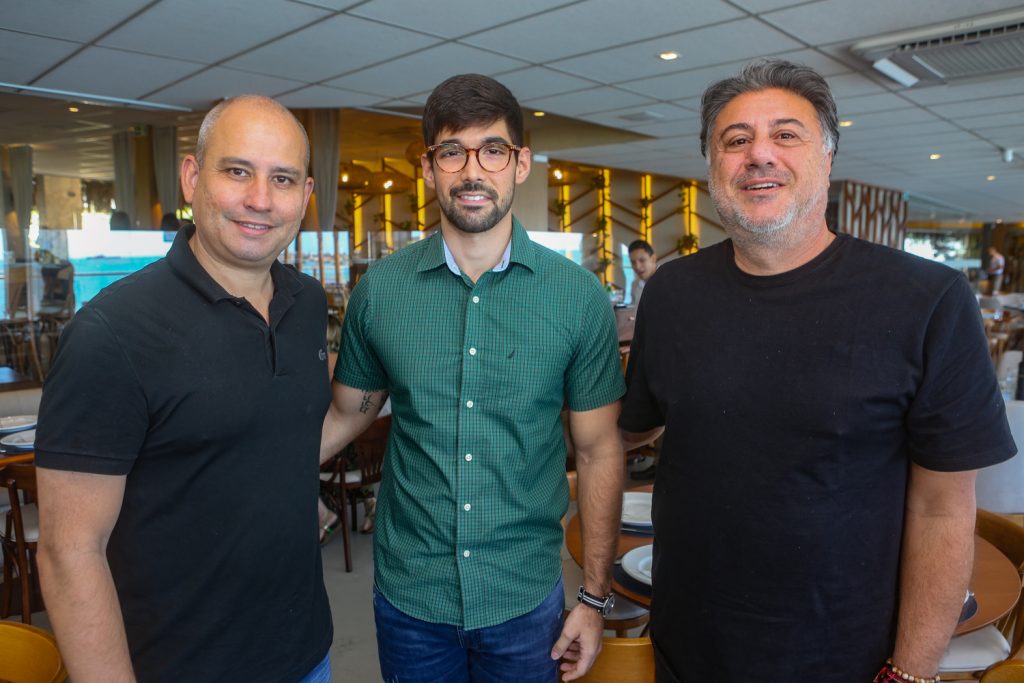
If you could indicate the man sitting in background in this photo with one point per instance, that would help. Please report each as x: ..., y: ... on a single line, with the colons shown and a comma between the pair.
x: 644, y: 262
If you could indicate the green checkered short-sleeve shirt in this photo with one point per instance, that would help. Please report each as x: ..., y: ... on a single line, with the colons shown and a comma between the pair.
x: 468, y: 518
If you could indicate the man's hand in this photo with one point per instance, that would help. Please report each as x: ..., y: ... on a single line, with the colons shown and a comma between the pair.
x: 580, y: 642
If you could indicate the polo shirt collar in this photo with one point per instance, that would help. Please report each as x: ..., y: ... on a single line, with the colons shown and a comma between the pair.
x: 183, y: 261
x: 520, y: 249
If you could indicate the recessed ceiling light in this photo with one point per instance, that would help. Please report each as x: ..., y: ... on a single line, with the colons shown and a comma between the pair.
x: 845, y: 124
x: 990, y: 178
x: 538, y: 113
x: 934, y: 157
x: 73, y: 109
x: 668, y: 56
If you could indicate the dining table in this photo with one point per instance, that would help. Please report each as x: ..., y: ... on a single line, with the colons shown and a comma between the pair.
x: 995, y: 582
x: 14, y: 458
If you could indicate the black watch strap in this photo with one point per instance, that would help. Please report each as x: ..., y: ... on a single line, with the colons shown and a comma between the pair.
x: 602, y: 604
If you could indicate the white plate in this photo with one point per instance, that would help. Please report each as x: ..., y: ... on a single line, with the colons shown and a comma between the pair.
x: 636, y: 508
x: 24, y: 440
x: 637, y: 563
x: 17, y: 423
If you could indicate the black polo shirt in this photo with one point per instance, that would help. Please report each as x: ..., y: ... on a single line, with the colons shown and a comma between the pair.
x: 215, y: 418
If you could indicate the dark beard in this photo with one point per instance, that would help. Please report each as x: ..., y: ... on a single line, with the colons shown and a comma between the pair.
x: 475, y: 220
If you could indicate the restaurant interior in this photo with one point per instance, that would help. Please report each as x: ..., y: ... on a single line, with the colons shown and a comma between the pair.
x: 101, y: 99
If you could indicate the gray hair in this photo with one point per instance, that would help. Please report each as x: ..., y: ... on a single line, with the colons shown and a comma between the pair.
x: 210, y: 120
x: 764, y: 74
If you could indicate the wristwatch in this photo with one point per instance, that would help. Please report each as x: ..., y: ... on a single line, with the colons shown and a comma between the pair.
x: 601, y: 604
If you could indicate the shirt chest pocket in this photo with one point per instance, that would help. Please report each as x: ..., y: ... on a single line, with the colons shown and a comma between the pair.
x: 516, y: 377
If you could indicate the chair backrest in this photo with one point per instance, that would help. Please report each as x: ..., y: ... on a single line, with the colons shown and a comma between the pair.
x: 370, y: 447
x: 29, y: 654
x: 623, y: 660
x: 998, y: 487
x: 1008, y: 537
x: 573, y: 479
x: 20, y: 475
x: 20, y: 482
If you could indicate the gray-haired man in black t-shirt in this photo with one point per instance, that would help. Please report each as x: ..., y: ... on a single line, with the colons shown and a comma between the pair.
x: 814, y: 503
x: 179, y: 437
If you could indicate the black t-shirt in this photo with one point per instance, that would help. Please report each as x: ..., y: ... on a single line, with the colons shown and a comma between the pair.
x: 215, y: 418
x: 793, y: 405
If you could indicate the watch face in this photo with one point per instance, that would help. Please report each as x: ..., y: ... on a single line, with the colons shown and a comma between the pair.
x: 608, y: 605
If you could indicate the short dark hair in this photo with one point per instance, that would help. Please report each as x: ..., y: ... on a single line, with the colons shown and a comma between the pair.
x: 640, y: 244
x: 764, y: 74
x: 471, y: 100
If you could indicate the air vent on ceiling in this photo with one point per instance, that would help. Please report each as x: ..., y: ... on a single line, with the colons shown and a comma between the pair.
x: 642, y: 117
x: 969, y: 48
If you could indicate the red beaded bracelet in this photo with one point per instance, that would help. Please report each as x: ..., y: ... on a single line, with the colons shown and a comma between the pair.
x: 891, y: 673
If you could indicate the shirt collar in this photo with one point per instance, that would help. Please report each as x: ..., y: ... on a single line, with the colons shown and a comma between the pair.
x: 520, y: 249
x: 183, y: 261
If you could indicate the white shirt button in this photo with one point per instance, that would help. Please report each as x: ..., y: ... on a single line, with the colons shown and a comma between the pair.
x: 476, y: 299
x: 469, y: 404
x: 465, y: 553
x: 469, y: 456
x: 467, y: 507
x: 472, y: 352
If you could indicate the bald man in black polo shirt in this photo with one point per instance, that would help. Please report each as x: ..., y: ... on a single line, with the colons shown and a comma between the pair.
x: 179, y: 436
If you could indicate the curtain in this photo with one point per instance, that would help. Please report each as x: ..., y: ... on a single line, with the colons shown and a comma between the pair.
x: 21, y: 186
x: 3, y: 196
x: 326, y: 157
x: 124, y: 173
x: 165, y: 165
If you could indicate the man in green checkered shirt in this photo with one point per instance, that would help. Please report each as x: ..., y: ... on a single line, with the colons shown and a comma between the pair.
x: 480, y: 337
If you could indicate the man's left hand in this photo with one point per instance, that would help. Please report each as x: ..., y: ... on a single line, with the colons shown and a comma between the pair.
x: 580, y: 642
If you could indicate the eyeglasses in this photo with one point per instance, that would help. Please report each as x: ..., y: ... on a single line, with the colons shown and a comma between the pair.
x: 452, y: 157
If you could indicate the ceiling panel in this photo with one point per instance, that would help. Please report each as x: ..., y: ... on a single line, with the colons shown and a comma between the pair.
x: 23, y: 57
x: 670, y: 86
x: 537, y: 81
x: 651, y: 113
x: 599, y: 23
x: 992, y: 105
x: 968, y: 91
x: 321, y: 96
x: 212, y: 85
x: 983, y: 123
x: 335, y: 46
x: 336, y: 5
x: 459, y: 18
x: 229, y: 26
x: 853, y: 85
x: 765, y: 5
x: 587, y: 101
x: 830, y: 21
x: 890, y: 118
x: 115, y: 73
x: 441, y: 62
x: 866, y: 104
x: 722, y: 43
x: 81, y: 20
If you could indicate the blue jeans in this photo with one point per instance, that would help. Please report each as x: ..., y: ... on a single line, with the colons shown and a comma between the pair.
x: 519, y: 650
x: 321, y: 673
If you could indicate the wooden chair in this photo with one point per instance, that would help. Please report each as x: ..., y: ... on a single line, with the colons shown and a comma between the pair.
x: 623, y: 660
x: 1008, y: 537
x: 20, y: 537
x: 625, y: 614
x: 369, y: 448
